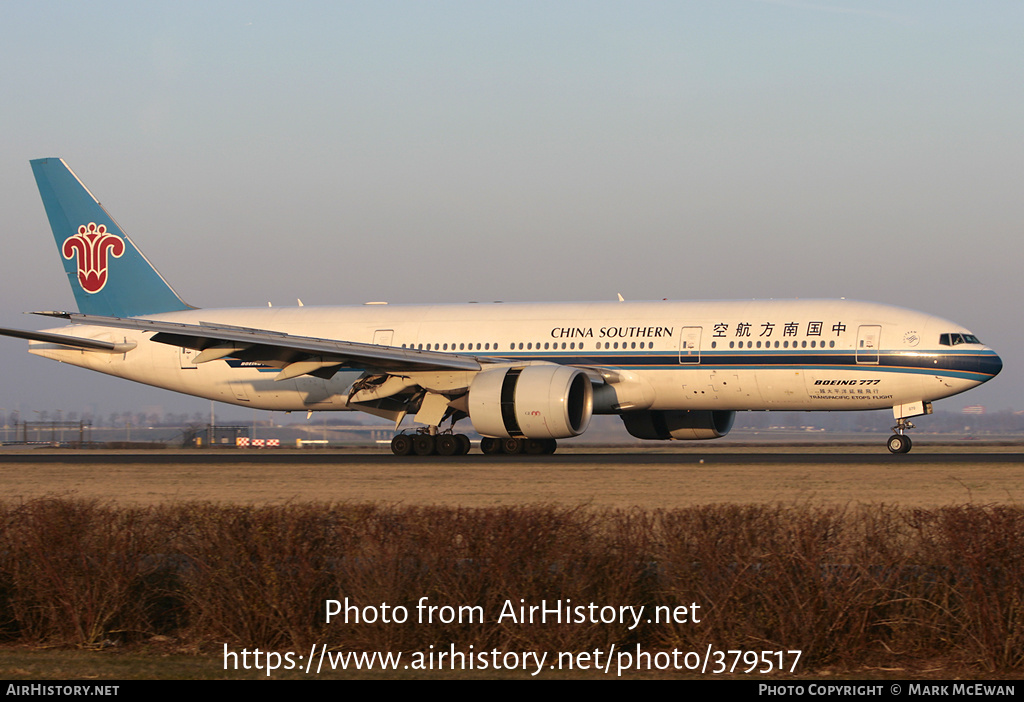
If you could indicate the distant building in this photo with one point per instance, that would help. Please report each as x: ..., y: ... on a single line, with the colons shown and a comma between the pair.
x: 973, y: 409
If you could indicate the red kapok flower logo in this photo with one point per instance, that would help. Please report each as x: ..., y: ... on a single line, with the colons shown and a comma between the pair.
x: 93, y: 244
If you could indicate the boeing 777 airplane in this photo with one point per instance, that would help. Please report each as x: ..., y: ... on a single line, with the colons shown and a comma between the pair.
x: 524, y: 375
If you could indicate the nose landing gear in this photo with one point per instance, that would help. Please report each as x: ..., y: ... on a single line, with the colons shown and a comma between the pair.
x: 899, y: 442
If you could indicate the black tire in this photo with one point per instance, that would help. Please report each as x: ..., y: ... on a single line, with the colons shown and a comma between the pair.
x: 512, y: 446
x: 490, y: 446
x: 464, y: 444
x: 534, y: 447
x: 401, y: 445
x: 447, y: 445
x: 899, y: 443
x: 423, y: 445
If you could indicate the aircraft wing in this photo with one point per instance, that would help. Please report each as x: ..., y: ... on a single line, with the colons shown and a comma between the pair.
x: 295, y: 355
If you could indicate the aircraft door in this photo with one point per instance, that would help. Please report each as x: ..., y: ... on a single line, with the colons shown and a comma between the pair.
x: 383, y: 337
x: 689, y: 345
x: 868, y: 336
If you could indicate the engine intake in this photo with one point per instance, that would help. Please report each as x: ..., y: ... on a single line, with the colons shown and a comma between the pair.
x: 536, y: 402
x: 685, y: 425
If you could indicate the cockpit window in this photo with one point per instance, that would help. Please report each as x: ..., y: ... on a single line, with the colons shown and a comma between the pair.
x: 957, y: 339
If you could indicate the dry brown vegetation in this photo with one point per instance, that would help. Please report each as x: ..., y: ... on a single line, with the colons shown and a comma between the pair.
x: 850, y: 586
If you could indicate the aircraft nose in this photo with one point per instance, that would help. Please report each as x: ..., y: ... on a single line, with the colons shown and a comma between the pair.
x: 997, y: 364
x: 990, y: 364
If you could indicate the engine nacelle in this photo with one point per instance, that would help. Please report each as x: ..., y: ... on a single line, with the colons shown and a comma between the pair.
x: 537, y: 402
x: 685, y: 425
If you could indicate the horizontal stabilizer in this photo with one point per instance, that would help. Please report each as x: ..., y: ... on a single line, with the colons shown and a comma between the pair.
x: 72, y: 341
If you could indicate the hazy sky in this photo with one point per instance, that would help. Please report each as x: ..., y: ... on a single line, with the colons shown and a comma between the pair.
x: 448, y: 151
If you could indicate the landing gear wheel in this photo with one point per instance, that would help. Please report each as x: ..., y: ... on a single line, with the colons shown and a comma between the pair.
x: 539, y: 447
x: 908, y: 445
x: 490, y: 446
x: 898, y: 443
x: 423, y: 444
x: 512, y: 446
x: 447, y: 445
x: 401, y: 445
x: 464, y: 444
x: 534, y: 447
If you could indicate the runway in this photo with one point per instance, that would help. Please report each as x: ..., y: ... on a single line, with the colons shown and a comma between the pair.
x: 574, y: 457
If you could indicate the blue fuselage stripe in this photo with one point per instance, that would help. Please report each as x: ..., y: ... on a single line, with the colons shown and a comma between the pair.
x: 971, y: 365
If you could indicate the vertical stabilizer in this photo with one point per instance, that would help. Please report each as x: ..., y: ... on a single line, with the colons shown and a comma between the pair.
x: 107, y: 272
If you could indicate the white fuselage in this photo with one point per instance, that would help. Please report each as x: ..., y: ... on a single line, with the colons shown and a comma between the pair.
x: 735, y: 355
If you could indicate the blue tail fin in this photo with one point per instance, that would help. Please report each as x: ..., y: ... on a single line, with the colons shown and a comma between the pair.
x: 108, y: 274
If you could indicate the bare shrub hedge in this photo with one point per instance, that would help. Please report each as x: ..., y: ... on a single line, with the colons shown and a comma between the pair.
x: 868, y: 585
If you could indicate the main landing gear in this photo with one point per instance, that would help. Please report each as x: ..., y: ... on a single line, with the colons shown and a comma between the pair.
x: 899, y: 442
x: 512, y: 446
x: 426, y: 444
x: 423, y: 443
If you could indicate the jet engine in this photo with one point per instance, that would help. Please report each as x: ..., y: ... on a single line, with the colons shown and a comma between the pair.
x: 536, y: 402
x: 686, y: 425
